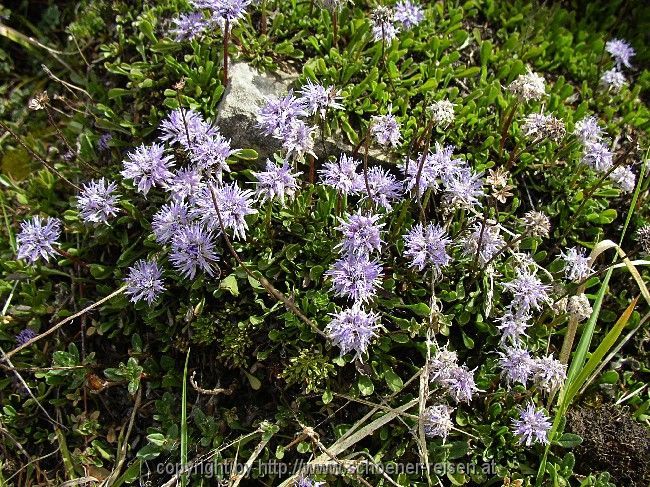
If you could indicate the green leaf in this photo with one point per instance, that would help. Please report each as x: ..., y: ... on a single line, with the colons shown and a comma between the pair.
x: 366, y: 387
x: 393, y: 380
x: 569, y: 440
x: 229, y: 283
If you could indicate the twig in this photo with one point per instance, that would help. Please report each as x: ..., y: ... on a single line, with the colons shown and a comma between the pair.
x: 11, y: 353
x: 210, y: 392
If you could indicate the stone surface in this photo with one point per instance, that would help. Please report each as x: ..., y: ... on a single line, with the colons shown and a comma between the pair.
x: 246, y: 93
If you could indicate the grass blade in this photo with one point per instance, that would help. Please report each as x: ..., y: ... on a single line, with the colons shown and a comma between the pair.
x: 184, y: 439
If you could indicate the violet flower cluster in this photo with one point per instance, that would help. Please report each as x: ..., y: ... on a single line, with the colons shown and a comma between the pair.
x: 621, y: 52
x: 283, y: 118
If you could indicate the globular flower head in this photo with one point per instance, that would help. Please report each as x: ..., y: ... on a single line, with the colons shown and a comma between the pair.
x: 460, y: 384
x: 513, y: 327
x: 549, y: 373
x: 169, y: 220
x: 588, y: 130
x: 613, y: 80
x: 24, y: 336
x: 484, y: 241
x: 356, y: 277
x: 277, y: 182
x: 528, y: 292
x: 532, y: 426
x: 144, y: 281
x: 408, y: 14
x: 342, y: 175
x: 211, y: 152
x: 621, y: 51
x: 384, y: 188
x: 528, y: 86
x: 361, y: 234
x: 275, y: 117
x: 298, y: 139
x: 427, y: 245
x: 353, y: 329
x: 386, y: 129
x: 193, y: 249
x: 383, y: 28
x: 224, y: 10
x: 317, y: 98
x: 306, y: 482
x: 578, y: 306
x: 37, y: 238
x: 442, y: 113
x: 516, y: 364
x: 185, y: 127
x: 235, y: 204
x: 536, y: 224
x: 463, y: 188
x: 189, y: 26
x: 437, y: 165
x: 598, y: 156
x: 185, y: 184
x: 148, y: 167
x: 97, y: 201
x: 436, y: 421
x: 577, y: 266
x: 624, y: 178
x: 442, y: 364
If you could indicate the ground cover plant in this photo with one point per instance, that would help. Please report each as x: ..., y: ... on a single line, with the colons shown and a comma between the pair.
x: 431, y: 270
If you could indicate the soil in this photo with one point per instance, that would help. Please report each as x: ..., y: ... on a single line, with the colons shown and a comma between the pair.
x: 612, y: 442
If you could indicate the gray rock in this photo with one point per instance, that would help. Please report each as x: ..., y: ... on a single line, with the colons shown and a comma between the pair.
x: 247, y: 91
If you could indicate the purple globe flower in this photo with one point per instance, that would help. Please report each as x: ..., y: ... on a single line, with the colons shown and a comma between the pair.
x: 383, y: 28
x: 385, y: 128
x: 353, y: 329
x: 234, y: 205
x: 185, y: 127
x: 588, y: 130
x: 621, y: 51
x: 613, y: 79
x: 97, y: 201
x: 342, y: 175
x: 624, y: 178
x: 37, y: 238
x: 148, y: 167
x: 516, y: 364
x: 577, y: 266
x: 385, y: 189
x: 185, y: 184
x: 532, y: 426
x: 317, y: 99
x: 528, y: 292
x: 356, y: 277
x: 437, y: 165
x: 513, y: 327
x: 168, y: 221
x: 24, y: 336
x: 408, y: 14
x: 189, y: 26
x: 361, y: 234
x: 598, y: 156
x: 549, y: 373
x: 436, y: 421
x: 103, y: 144
x: 277, y: 182
x: 460, y: 384
x: 144, y: 281
x: 427, y: 246
x: 442, y: 364
x: 306, y: 482
x: 211, y: 153
x: 193, y: 249
x: 298, y: 139
x: 463, y: 188
x: 484, y: 239
x: 276, y: 115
